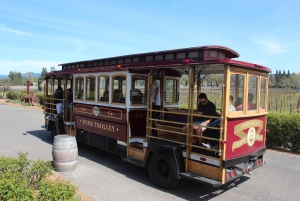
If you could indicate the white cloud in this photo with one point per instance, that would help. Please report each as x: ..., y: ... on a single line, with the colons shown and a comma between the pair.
x: 79, y: 45
x: 14, y: 31
x: 270, y: 46
x: 27, y: 66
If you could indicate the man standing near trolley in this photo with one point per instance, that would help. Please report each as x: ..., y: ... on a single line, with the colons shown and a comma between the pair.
x: 155, y: 103
x: 155, y: 99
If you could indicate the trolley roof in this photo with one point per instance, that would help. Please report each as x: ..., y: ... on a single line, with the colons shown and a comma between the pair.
x: 208, y: 59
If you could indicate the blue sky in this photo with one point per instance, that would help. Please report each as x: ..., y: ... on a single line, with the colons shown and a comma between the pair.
x: 36, y: 34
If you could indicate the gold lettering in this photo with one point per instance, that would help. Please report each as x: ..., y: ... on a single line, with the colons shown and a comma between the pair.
x: 102, y: 126
x: 239, y: 131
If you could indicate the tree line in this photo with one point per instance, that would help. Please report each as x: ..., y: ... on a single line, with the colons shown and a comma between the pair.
x: 277, y: 80
x: 16, y: 78
x: 284, y: 80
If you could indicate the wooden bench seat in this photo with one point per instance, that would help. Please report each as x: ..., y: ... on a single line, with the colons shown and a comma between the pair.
x: 167, y: 133
x: 181, y: 115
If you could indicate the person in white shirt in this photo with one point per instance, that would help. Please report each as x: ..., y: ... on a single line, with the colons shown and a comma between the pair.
x: 155, y: 98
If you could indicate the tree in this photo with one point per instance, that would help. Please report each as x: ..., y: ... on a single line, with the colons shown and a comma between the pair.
x: 4, y: 88
x: 15, y: 77
x: 219, y: 80
x: 43, y: 73
x: 295, y: 80
x: 277, y: 77
x: 11, y: 75
x: 29, y: 76
x: 283, y: 74
x: 285, y: 82
x: 209, y: 79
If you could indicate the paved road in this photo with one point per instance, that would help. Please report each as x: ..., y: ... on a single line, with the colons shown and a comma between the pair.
x: 104, y: 176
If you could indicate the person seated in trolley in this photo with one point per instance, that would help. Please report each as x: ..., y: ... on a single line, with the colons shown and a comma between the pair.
x: 69, y: 98
x: 58, y: 96
x: 136, y: 96
x: 231, y: 106
x: 118, y: 96
x: 205, y: 107
x: 105, y: 96
x: 213, y: 133
x: 250, y: 105
x: 239, y: 104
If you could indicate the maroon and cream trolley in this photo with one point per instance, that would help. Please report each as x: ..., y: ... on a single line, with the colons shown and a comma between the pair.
x: 112, y: 110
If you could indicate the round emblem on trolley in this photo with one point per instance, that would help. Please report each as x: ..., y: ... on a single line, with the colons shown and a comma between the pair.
x: 251, y: 136
x: 96, y: 111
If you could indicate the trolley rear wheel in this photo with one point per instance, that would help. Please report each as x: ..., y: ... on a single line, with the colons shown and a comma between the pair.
x: 161, y: 171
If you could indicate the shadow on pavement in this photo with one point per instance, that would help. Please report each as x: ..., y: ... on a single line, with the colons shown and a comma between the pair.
x: 188, y: 190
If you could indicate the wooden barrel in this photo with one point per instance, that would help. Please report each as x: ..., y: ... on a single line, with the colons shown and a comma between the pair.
x: 65, y: 153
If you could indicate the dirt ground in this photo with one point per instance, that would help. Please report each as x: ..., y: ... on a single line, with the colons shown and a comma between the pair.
x: 82, y: 196
x: 3, y: 101
x: 55, y: 175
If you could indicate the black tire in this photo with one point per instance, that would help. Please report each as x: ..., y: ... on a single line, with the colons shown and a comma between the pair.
x: 53, y: 131
x: 161, y: 172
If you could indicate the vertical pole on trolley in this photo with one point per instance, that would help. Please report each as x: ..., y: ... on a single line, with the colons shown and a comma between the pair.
x: 267, y: 97
x: 149, y: 105
x: 52, y: 102
x: 198, y: 84
x: 46, y: 97
x: 190, y: 116
x: 71, y: 119
x: 223, y: 123
x: 64, y: 98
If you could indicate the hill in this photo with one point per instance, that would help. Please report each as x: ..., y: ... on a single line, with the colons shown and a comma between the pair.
x: 24, y: 75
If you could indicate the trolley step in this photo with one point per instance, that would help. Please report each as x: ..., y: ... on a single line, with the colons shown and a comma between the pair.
x: 133, y: 161
x: 200, y: 179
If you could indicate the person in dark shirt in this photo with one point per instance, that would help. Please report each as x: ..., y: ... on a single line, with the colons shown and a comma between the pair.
x: 205, y: 107
x: 69, y: 97
x: 58, y: 96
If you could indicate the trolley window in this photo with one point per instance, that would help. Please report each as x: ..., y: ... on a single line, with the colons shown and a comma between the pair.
x: 79, y: 88
x: 263, y: 91
x: 171, y: 93
x: 237, y: 83
x: 103, y: 88
x: 90, y: 88
x: 252, y: 93
x: 119, y: 88
x: 138, y: 89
